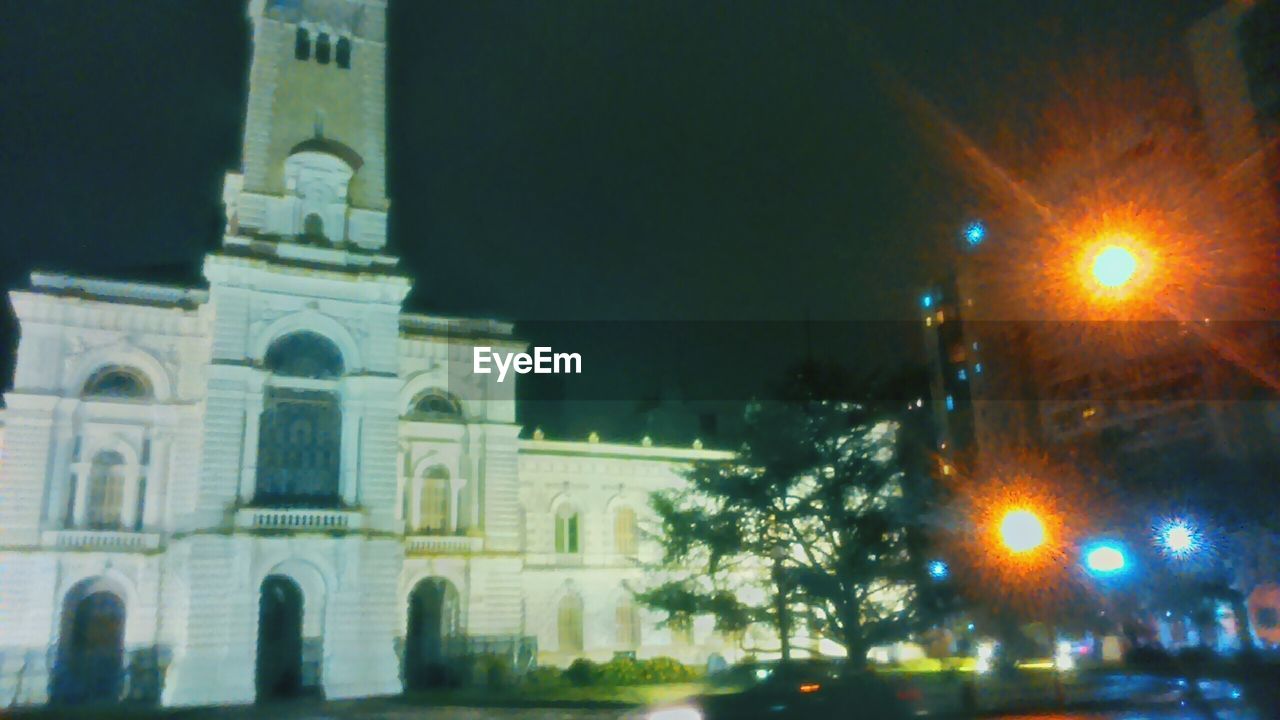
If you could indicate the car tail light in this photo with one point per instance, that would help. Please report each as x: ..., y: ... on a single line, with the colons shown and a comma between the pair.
x: 810, y: 687
x: 910, y: 694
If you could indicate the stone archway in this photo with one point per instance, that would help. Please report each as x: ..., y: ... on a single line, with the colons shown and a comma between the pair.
x: 90, y: 660
x: 278, y: 672
x: 434, y: 622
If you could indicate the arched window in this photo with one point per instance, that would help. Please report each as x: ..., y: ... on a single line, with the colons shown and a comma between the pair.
x: 628, y: 623
x: 569, y: 623
x: 322, y: 48
x: 624, y: 532
x: 305, y: 354
x: 436, y: 405
x: 302, y: 44
x: 342, y: 53
x: 566, y: 530
x: 313, y: 228
x: 105, y: 499
x: 434, y: 504
x: 117, y: 383
x: 300, y: 429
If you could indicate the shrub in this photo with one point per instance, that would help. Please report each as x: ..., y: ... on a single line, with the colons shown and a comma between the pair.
x: 545, y: 677
x: 582, y: 672
x: 665, y: 670
x: 620, y: 671
x: 492, y: 671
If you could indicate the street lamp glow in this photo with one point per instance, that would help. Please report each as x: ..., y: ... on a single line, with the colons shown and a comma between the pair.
x: 975, y: 233
x: 1105, y: 559
x: 1178, y: 538
x: 1063, y: 659
x: 1114, y: 266
x: 1021, y: 531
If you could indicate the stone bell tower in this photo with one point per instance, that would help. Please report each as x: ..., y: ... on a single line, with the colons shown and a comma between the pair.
x: 314, y: 168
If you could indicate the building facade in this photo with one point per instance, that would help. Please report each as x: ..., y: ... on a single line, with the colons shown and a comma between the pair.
x: 281, y: 482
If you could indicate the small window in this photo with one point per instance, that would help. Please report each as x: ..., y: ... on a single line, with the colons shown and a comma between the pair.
x: 566, y: 530
x: 624, y: 532
x: 342, y: 53
x: 434, y: 507
x: 106, y: 491
x: 322, y: 48
x: 302, y: 44
x: 437, y: 404
x: 117, y: 383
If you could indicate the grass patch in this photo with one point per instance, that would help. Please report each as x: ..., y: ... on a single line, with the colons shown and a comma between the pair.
x: 563, y: 695
x: 931, y: 665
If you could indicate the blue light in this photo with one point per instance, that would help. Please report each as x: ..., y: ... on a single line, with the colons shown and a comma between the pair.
x: 975, y: 233
x: 938, y: 570
x: 951, y: 403
x: 1178, y: 538
x: 926, y: 301
x: 962, y: 375
x: 1105, y: 558
x: 977, y: 368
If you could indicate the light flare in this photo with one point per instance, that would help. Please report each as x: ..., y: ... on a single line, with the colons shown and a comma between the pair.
x: 1114, y: 265
x: 1022, y: 531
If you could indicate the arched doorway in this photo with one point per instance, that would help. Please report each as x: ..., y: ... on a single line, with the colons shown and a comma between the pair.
x: 90, y: 663
x: 434, y: 621
x: 279, y: 664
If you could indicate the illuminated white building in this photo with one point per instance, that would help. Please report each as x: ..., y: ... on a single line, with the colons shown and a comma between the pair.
x: 281, y: 482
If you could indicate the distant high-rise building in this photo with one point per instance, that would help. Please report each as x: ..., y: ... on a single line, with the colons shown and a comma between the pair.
x: 978, y: 379
x: 1235, y: 53
x: 1235, y: 56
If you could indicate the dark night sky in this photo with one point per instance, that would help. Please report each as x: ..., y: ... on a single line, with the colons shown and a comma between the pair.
x: 583, y: 159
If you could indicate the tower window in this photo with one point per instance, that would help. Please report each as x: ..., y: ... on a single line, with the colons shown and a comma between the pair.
x: 322, y: 48
x: 313, y: 227
x: 342, y: 53
x: 302, y: 44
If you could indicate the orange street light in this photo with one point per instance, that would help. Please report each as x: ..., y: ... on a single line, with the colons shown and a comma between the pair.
x: 1114, y: 265
x: 1021, y: 531
x: 1118, y: 271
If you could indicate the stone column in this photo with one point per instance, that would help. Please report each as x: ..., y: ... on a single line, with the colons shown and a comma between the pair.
x: 253, y: 404
x: 81, y: 504
x: 349, y: 457
x: 414, y: 485
x: 157, y: 481
x: 60, y: 476
x: 129, y: 498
